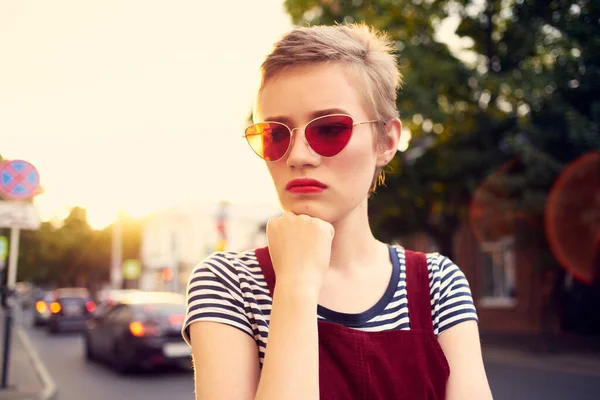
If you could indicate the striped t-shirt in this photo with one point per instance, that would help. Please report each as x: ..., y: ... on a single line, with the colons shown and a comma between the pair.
x: 230, y: 288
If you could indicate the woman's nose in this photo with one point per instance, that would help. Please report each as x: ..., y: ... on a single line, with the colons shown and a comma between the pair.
x: 300, y: 153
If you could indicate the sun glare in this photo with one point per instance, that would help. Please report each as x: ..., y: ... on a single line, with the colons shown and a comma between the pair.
x: 132, y: 117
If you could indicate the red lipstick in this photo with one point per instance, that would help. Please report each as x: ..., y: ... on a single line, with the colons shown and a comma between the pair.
x: 305, y: 185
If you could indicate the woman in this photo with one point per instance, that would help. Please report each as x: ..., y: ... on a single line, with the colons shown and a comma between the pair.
x: 346, y: 316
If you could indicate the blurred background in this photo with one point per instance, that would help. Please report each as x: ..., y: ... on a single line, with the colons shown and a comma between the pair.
x: 120, y: 105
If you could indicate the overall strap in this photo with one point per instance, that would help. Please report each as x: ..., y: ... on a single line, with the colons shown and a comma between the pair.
x: 266, y: 266
x: 417, y: 291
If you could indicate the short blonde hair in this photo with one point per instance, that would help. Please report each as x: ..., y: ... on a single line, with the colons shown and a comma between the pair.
x: 368, y: 54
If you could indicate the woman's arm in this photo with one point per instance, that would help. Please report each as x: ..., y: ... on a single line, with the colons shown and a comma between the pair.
x: 462, y: 348
x: 225, y: 362
x: 226, y: 359
x: 291, y: 366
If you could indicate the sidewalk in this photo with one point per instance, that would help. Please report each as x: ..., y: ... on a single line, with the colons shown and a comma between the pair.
x: 27, y: 376
x: 565, y: 353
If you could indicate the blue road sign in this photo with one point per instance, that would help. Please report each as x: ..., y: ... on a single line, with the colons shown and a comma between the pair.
x: 19, y: 180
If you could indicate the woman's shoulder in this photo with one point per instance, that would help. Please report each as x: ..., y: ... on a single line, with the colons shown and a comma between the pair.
x: 441, y: 266
x: 438, y: 265
x: 237, y: 272
x: 223, y: 288
x: 230, y: 263
x: 451, y: 299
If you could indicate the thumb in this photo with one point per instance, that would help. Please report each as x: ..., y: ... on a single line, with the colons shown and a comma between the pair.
x: 272, y: 225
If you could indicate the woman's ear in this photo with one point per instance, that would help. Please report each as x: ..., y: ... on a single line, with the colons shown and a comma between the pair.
x: 388, y: 146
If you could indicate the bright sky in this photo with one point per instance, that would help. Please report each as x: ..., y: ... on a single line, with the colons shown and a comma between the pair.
x: 138, y: 104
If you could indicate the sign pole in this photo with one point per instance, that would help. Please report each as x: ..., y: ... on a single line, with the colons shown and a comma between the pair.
x: 8, y: 320
x: 13, y: 257
x: 19, y: 182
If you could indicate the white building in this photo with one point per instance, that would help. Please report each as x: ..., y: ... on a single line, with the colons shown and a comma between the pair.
x: 174, y: 240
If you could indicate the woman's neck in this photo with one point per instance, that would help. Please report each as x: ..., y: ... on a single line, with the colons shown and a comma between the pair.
x: 354, y: 244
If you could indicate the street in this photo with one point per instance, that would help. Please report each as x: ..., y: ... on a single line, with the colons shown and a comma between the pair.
x: 512, y: 382
x: 77, y: 379
x: 510, y: 378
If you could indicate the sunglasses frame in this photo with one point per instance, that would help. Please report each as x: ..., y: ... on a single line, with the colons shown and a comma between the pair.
x: 354, y: 124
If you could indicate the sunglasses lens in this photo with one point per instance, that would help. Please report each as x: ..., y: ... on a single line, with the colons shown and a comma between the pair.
x: 269, y: 140
x: 329, y: 135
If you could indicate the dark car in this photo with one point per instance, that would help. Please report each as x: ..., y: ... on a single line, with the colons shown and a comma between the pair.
x: 70, y: 308
x: 41, y: 310
x: 107, y: 298
x: 141, y: 329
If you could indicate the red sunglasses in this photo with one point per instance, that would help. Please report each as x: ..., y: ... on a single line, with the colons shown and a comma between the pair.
x: 327, y: 136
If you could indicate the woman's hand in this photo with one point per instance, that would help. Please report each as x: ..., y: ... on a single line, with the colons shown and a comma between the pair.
x: 300, y: 248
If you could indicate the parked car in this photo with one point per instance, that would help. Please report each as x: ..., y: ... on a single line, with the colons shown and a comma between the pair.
x: 143, y: 329
x: 70, y: 308
x: 108, y: 298
x: 41, y: 310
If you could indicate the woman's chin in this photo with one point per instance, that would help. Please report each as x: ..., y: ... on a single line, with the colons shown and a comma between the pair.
x: 307, y: 209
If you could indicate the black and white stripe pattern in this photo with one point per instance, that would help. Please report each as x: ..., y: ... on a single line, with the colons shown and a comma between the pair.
x: 230, y: 288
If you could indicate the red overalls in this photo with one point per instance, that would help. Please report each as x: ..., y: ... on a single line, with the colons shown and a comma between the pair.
x: 390, y: 365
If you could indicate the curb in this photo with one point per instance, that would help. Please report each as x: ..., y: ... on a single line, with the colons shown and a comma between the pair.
x: 50, y: 390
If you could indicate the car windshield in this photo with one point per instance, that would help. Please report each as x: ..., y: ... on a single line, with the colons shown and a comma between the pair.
x: 155, y: 298
x: 114, y: 294
x: 71, y: 300
x: 72, y: 293
x: 162, y: 309
x: 169, y: 313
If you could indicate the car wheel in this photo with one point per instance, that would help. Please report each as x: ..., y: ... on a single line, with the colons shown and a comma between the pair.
x: 122, y: 358
x: 53, y: 328
x: 89, y: 351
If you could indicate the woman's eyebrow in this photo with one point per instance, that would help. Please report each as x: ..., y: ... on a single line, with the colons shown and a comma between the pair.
x: 279, y: 118
x: 315, y: 114
x: 328, y: 111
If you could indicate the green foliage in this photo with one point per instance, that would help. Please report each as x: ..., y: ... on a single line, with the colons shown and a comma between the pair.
x: 73, y: 253
x: 542, y: 64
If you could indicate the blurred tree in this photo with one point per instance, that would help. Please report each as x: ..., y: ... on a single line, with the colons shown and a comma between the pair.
x: 73, y: 253
x: 539, y: 62
x: 132, y: 237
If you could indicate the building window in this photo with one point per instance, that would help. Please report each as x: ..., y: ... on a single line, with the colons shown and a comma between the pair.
x: 498, y: 267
